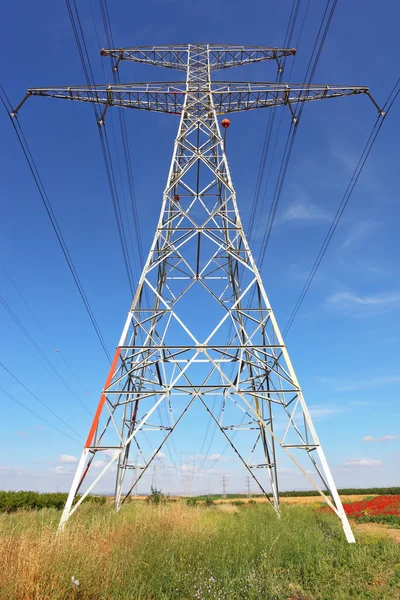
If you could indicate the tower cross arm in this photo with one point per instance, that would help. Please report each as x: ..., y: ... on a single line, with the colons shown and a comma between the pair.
x: 170, y: 97
x: 236, y: 96
x: 156, y: 97
x: 171, y: 57
x: 223, y: 57
x: 175, y: 56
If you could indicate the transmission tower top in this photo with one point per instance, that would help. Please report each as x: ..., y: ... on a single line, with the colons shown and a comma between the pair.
x: 175, y: 56
x: 199, y: 60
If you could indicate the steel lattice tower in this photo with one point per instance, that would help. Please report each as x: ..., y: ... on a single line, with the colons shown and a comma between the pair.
x: 201, y: 324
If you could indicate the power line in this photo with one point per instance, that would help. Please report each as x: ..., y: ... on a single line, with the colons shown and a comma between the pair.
x: 270, y: 125
x: 50, y: 213
x: 39, y: 400
x: 267, y: 141
x: 88, y: 72
x: 41, y: 353
x: 342, y: 206
x: 41, y: 326
x: 116, y: 204
x: 124, y: 134
x: 128, y: 168
x: 312, y: 65
x: 30, y: 410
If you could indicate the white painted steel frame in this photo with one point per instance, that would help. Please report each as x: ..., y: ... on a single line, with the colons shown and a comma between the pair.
x: 153, y: 367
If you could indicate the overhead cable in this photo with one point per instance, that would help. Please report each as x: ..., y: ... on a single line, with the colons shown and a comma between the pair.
x: 33, y: 412
x: 42, y: 354
x: 345, y: 199
x: 28, y: 306
x: 50, y: 213
x: 39, y: 400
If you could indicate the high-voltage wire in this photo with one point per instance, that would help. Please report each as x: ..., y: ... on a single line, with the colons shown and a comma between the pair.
x: 49, y: 210
x: 346, y: 197
x: 34, y: 413
x: 312, y: 65
x: 122, y: 185
x: 271, y: 120
x: 28, y: 306
x: 88, y: 72
x: 250, y: 350
x: 128, y: 167
x: 107, y: 153
x: 42, y: 354
x: 39, y: 400
x: 124, y: 135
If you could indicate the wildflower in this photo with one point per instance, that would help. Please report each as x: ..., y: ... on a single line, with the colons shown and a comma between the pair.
x: 380, y: 505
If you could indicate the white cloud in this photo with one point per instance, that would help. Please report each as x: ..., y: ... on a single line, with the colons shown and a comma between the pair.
x: 61, y: 470
x: 364, y: 384
x: 358, y: 232
x: 305, y: 212
x: 98, y: 464
x: 7, y: 470
x: 383, y: 438
x: 214, y: 457
x: 111, y: 453
x: 348, y: 297
x: 186, y: 468
x: 362, y: 462
x: 207, y: 457
x: 322, y: 412
x: 161, y: 455
x: 67, y: 458
x: 364, y: 305
x: 287, y: 471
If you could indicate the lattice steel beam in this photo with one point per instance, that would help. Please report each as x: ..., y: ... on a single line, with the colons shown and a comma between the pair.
x: 200, y: 254
x: 170, y: 97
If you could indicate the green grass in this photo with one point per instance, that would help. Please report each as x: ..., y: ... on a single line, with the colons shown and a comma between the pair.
x: 175, y: 551
x: 391, y: 520
x: 299, y: 494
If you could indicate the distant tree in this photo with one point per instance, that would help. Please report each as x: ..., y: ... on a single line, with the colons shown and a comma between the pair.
x: 191, y: 501
x: 208, y: 501
x: 156, y: 496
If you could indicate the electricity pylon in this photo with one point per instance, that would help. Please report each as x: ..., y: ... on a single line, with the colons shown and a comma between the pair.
x: 200, y: 323
x: 223, y: 482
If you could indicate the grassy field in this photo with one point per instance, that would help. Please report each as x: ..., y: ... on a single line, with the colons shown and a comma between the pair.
x: 176, y: 551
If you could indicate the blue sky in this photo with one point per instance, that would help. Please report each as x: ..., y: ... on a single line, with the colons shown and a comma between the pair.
x: 343, y: 343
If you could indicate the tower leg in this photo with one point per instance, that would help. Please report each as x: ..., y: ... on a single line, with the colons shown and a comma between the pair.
x: 74, y: 488
x: 335, y: 497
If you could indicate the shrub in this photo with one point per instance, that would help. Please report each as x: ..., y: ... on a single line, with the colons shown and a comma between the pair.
x: 392, y: 520
x: 13, y: 501
x: 191, y: 501
x: 156, y: 496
